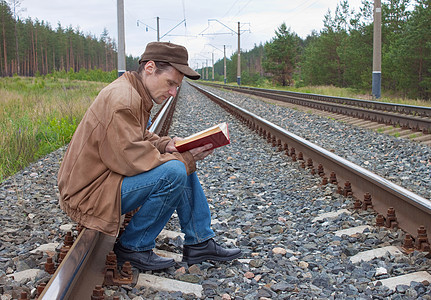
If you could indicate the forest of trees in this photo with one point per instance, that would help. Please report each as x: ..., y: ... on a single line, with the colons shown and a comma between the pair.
x: 341, y: 53
x: 32, y: 47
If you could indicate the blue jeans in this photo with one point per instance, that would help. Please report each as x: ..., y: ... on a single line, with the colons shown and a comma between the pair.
x: 160, y: 192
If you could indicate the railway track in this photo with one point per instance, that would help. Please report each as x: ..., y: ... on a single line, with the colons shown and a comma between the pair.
x: 83, y: 267
x: 366, y: 185
x: 408, y: 121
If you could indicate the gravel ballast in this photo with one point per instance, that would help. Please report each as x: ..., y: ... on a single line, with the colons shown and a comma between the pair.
x: 260, y: 201
x: 399, y: 160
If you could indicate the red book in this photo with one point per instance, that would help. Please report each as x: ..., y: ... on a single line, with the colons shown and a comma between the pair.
x: 217, y: 135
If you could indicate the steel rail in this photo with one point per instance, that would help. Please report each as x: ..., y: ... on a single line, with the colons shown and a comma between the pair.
x: 406, y: 116
x: 412, y: 210
x: 84, y: 265
x: 423, y: 111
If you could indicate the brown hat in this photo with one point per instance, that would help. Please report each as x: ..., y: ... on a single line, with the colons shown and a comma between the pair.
x: 173, y: 54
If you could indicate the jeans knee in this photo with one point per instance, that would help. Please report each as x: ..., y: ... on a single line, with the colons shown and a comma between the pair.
x: 176, y: 172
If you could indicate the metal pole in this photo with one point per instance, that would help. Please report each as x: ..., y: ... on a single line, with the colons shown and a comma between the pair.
x: 158, y: 30
x: 377, y: 50
x: 238, y: 73
x: 213, y: 65
x: 121, y: 56
x: 224, y: 67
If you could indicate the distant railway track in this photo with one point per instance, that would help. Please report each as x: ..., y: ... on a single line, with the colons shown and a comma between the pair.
x: 83, y: 268
x: 415, y: 118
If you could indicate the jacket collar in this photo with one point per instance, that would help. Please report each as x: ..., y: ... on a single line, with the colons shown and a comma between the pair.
x: 136, y: 80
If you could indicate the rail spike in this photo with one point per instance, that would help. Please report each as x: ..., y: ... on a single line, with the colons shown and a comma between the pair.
x: 300, y: 156
x: 310, y: 163
x: 391, y: 219
x: 357, y: 204
x: 380, y: 221
x: 408, y: 246
x: 367, y: 202
x: 68, y: 239
x: 333, y: 178
x: 40, y: 288
x: 422, y: 243
x: 325, y: 181
x: 98, y: 293
x: 347, y: 189
x: 115, y: 277
x: 49, y: 266
x: 320, y: 170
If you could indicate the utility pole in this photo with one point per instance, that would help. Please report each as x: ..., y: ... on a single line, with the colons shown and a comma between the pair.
x: 203, y: 70
x: 121, y: 41
x: 224, y: 65
x: 224, y: 58
x: 377, y: 50
x: 239, y: 49
x: 238, y: 73
x: 158, y: 29
x: 213, y: 64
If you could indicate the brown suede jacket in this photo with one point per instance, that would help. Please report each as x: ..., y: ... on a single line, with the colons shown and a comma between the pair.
x: 111, y: 142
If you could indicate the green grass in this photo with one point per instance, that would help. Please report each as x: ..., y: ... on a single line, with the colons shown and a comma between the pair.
x: 356, y: 94
x: 38, y: 115
x: 415, y: 135
x: 344, y: 93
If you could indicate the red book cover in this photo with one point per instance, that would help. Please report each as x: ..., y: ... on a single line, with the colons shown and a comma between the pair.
x: 217, y: 135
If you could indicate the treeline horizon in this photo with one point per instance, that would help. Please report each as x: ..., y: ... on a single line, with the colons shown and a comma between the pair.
x: 32, y: 47
x: 341, y: 54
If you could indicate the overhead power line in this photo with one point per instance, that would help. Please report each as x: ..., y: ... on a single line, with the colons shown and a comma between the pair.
x: 238, y: 75
x: 158, y: 28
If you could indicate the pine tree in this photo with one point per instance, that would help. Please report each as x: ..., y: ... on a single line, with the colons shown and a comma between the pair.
x: 282, y: 55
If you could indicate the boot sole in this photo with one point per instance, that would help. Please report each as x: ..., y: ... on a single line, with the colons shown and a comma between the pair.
x: 198, y: 260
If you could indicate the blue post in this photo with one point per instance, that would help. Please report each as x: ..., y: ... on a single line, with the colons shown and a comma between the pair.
x: 377, y: 80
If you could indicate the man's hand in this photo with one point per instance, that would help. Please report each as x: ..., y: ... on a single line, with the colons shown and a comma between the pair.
x: 170, y: 147
x: 198, y: 153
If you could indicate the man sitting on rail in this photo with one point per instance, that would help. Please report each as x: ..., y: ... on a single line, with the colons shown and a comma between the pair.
x: 114, y: 165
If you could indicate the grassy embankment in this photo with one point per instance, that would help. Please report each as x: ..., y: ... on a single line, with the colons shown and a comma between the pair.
x: 346, y: 93
x: 39, y: 115
x: 355, y: 94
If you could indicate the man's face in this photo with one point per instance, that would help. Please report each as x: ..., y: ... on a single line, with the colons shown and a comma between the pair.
x: 162, y: 85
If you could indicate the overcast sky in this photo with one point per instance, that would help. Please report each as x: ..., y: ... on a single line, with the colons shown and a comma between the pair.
x: 208, y: 24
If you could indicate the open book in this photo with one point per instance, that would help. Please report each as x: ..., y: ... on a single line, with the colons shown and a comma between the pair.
x: 217, y: 135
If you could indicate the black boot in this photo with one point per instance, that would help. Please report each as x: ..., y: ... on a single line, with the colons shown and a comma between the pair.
x: 208, y: 250
x: 142, y: 260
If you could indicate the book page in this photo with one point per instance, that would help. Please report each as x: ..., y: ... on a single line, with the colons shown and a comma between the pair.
x: 209, y: 131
